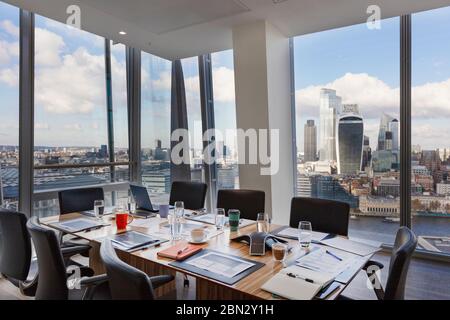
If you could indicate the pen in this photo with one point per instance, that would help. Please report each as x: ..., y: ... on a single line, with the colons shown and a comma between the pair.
x: 292, y: 275
x: 183, y: 250
x: 333, y: 255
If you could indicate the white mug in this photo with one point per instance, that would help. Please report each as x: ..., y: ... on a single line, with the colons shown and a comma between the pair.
x: 198, y: 235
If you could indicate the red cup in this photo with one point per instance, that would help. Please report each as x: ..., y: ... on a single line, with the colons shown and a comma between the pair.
x: 122, y: 220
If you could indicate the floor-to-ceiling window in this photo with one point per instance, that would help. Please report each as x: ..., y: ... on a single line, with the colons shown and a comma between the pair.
x: 347, y: 112
x: 430, y: 130
x: 71, y: 145
x: 155, y: 126
x: 225, y: 119
x: 9, y: 107
x: 194, y: 117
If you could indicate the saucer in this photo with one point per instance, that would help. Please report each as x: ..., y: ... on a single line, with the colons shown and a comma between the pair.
x: 198, y: 242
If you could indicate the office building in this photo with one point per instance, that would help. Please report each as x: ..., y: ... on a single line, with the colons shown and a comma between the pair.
x: 367, y: 153
x: 349, y: 141
x: 330, y: 105
x: 310, y: 142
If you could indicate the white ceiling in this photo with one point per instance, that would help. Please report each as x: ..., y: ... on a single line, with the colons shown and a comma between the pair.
x: 184, y: 28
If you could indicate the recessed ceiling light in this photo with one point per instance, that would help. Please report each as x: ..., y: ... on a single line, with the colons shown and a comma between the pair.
x: 122, y: 33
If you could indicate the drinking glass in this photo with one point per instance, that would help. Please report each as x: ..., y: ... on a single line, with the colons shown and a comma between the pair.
x: 304, y: 233
x: 220, y: 218
x: 263, y: 222
x: 279, y: 251
x: 179, y: 209
x: 99, y: 209
x: 131, y: 205
x: 234, y: 217
x: 175, y: 226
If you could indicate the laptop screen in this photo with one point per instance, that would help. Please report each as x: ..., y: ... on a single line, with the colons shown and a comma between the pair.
x: 141, y: 197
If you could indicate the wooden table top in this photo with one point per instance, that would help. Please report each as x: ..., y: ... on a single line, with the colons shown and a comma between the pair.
x: 220, y: 241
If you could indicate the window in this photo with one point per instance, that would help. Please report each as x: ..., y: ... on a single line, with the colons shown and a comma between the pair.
x: 225, y: 119
x: 347, y: 105
x: 155, y: 124
x: 71, y: 114
x: 194, y: 113
x: 9, y: 108
x: 430, y: 131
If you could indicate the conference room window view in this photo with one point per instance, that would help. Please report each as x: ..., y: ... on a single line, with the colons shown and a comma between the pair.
x: 224, y: 150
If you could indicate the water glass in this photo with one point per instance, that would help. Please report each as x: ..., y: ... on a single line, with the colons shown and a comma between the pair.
x: 99, y: 208
x: 263, y: 222
x: 220, y: 218
x: 175, y: 226
x: 179, y: 209
x: 131, y: 205
x: 305, y: 233
x: 234, y: 217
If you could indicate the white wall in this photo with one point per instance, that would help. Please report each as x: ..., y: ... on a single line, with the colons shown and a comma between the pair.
x: 262, y: 76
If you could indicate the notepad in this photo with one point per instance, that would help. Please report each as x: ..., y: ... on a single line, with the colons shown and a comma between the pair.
x: 132, y: 240
x: 355, y: 247
x: 210, y: 218
x: 296, y: 283
x: 77, y: 225
x: 180, y: 252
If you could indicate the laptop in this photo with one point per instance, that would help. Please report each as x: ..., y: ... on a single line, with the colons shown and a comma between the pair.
x: 143, y: 202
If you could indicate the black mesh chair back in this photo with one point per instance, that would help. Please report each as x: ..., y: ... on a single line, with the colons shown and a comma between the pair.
x: 15, y: 256
x: 193, y: 194
x: 325, y: 215
x: 52, y: 271
x: 77, y: 200
x: 248, y: 202
x: 125, y: 281
x: 404, y: 246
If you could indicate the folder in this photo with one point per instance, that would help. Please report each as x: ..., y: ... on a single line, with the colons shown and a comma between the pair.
x: 296, y: 283
x: 180, y: 252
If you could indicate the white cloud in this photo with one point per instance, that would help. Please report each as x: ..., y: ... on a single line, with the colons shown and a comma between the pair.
x: 223, y: 79
x: 49, y: 47
x: 10, y: 28
x: 73, y: 127
x: 75, y: 86
x: 430, y: 100
x: 164, y: 82
x: 10, y: 76
x: 41, y: 126
x: 8, y: 51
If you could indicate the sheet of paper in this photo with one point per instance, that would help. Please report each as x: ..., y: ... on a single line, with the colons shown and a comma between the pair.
x: 78, y: 224
x: 358, y: 248
x: 144, y: 223
x: 210, y: 218
x: 293, y: 233
x: 221, y: 264
x: 326, y: 260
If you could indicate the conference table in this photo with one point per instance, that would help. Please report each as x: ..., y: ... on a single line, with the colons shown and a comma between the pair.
x: 148, y: 261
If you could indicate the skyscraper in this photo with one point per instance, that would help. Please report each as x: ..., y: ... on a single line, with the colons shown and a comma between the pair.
x: 393, y: 127
x: 310, y: 143
x: 367, y: 153
x: 350, y: 139
x: 330, y: 105
x: 388, y: 123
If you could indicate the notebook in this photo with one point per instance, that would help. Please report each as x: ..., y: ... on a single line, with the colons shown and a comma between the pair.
x: 132, y: 240
x: 210, y: 218
x: 296, y: 283
x: 77, y: 225
x: 180, y: 252
x: 355, y: 247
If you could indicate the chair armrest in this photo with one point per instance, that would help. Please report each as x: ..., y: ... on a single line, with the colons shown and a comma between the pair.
x: 94, y: 280
x: 28, y: 288
x: 158, y: 281
x: 71, y: 250
x: 373, y: 263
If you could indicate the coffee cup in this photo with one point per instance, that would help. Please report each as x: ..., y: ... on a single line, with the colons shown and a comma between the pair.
x: 198, y: 235
x: 164, y: 210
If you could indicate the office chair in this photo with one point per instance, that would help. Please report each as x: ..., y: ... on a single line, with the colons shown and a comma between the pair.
x: 53, y: 275
x: 404, y: 246
x: 325, y: 215
x: 16, y: 262
x: 125, y: 281
x: 248, y: 202
x: 193, y: 194
x: 78, y: 200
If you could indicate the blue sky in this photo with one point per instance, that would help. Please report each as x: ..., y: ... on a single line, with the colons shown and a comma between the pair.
x: 361, y: 64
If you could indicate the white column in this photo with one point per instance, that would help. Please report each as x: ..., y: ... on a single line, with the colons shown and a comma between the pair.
x: 263, y: 89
